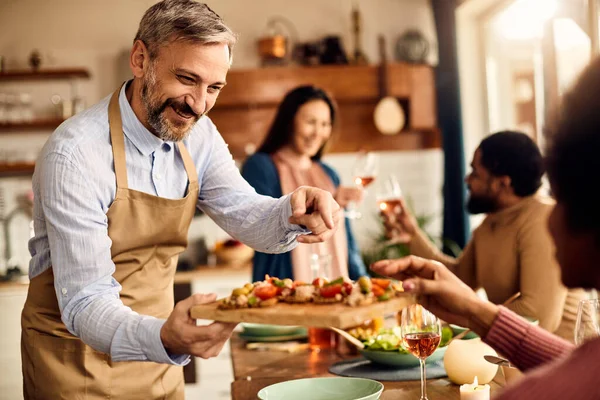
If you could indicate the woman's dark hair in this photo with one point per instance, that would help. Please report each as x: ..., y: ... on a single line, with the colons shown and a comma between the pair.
x: 281, y: 131
x: 515, y: 155
x: 573, y: 152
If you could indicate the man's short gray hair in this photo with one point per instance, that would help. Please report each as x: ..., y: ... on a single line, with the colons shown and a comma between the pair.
x: 185, y: 20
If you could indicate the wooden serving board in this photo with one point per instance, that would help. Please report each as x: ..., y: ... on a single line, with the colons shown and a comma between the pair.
x: 316, y: 315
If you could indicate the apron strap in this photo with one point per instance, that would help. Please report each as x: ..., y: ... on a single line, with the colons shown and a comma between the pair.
x: 117, y: 139
x: 188, y: 163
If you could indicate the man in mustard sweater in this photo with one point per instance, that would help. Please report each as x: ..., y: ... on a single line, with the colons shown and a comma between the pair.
x: 511, y: 251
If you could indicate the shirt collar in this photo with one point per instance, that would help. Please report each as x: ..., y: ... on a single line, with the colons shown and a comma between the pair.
x: 135, y: 131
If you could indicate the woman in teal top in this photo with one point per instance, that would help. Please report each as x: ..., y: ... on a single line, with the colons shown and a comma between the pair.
x: 290, y: 157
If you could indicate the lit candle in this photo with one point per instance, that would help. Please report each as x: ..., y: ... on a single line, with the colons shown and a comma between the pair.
x: 474, y: 391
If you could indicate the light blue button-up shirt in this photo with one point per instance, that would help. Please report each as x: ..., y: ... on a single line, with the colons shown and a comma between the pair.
x: 74, y: 185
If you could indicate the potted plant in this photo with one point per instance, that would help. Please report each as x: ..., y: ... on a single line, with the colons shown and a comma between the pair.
x: 383, y: 249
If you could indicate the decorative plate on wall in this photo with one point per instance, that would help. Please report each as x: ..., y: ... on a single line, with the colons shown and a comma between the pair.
x: 412, y: 47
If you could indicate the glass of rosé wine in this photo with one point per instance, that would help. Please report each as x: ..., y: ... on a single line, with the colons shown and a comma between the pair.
x: 421, y: 333
x: 364, y: 173
x: 389, y: 196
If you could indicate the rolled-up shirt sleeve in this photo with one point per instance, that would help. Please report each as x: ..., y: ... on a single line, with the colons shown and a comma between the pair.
x: 87, y: 293
x: 261, y: 222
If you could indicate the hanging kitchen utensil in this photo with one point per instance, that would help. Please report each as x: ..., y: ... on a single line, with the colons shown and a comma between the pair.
x: 389, y: 116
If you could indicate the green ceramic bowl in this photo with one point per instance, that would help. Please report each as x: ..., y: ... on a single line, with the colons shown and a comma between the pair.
x: 532, y: 320
x: 272, y: 330
x: 400, y: 360
x: 460, y: 329
x: 337, y: 388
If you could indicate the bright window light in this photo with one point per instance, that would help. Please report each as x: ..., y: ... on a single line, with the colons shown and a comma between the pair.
x: 569, y: 35
x: 524, y: 19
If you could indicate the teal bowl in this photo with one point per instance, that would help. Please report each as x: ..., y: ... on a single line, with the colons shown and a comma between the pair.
x: 460, y: 329
x: 337, y: 388
x: 401, y: 360
x: 531, y: 320
x: 271, y: 330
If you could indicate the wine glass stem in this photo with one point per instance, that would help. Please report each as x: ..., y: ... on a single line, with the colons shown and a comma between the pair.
x: 423, y: 380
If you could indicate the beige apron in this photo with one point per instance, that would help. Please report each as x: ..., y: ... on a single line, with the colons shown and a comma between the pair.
x: 147, y: 233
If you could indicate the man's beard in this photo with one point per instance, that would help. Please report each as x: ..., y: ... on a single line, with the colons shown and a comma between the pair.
x: 481, y: 204
x: 163, y: 127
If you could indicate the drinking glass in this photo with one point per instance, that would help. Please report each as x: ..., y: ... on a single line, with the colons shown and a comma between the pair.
x: 588, y: 325
x: 389, y: 195
x: 364, y: 173
x: 421, y: 333
x: 320, y: 266
x: 320, y: 338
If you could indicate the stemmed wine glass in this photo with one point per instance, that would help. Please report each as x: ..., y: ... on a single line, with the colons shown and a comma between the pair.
x: 588, y: 321
x: 389, y: 202
x: 389, y: 195
x: 421, y: 333
x: 364, y: 173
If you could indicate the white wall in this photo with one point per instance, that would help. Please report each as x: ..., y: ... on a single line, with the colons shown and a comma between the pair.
x: 97, y: 34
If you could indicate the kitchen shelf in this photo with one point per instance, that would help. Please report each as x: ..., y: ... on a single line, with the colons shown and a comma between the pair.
x: 42, y: 123
x: 16, y: 168
x: 44, y: 74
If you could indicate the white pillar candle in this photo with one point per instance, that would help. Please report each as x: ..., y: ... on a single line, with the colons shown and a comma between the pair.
x: 474, y: 391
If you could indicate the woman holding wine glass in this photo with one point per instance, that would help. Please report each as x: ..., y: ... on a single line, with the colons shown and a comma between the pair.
x: 554, y: 368
x: 289, y: 157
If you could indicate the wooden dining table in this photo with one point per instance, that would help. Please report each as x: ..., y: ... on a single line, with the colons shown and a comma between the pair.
x: 254, y: 370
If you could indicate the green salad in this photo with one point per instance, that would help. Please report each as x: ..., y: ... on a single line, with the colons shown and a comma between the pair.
x: 391, y: 340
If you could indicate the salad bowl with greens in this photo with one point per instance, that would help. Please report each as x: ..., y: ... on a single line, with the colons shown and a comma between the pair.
x: 386, y: 348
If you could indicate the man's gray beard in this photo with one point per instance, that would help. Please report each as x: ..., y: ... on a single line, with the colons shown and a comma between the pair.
x: 156, y: 118
x: 161, y: 127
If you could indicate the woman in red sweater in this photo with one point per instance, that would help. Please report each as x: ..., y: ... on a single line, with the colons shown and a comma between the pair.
x: 555, y: 369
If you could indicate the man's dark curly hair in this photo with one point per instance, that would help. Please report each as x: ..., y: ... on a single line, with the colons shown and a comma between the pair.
x: 515, y: 155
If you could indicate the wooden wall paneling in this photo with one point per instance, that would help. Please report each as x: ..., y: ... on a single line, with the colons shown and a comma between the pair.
x: 357, y: 131
x: 269, y: 85
x: 346, y: 83
x: 241, y: 126
x: 399, y: 80
x: 423, y: 114
x: 247, y: 105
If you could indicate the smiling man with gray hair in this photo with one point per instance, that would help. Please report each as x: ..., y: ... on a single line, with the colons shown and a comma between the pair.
x: 116, y: 187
